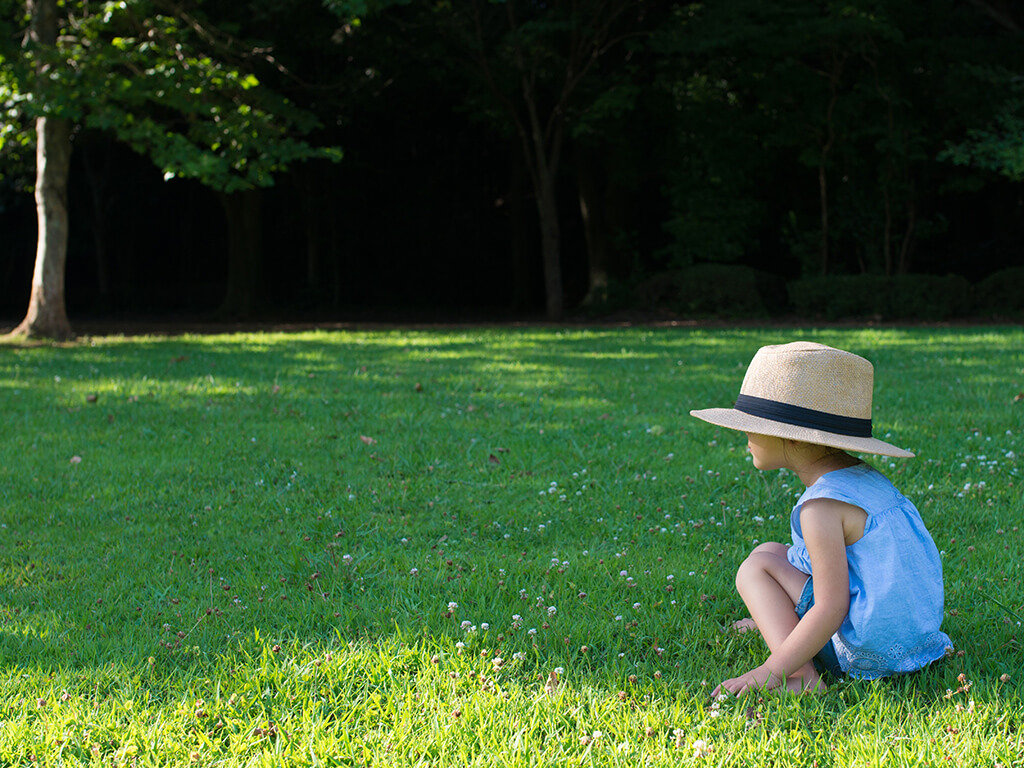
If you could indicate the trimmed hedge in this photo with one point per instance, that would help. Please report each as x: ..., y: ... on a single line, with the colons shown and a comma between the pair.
x: 1001, y: 293
x: 714, y: 289
x: 733, y: 291
x: 921, y: 297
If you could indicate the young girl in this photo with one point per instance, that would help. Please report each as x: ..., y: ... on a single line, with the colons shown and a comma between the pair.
x: 860, y: 590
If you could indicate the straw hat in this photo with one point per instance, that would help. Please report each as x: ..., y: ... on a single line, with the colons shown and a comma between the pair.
x: 809, y: 392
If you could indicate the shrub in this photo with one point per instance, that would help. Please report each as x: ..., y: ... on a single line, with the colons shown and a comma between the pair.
x: 919, y: 297
x: 838, y: 296
x: 727, y: 290
x: 929, y: 297
x: 1001, y: 293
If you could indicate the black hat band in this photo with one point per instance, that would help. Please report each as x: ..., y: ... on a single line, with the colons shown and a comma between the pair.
x: 803, y: 417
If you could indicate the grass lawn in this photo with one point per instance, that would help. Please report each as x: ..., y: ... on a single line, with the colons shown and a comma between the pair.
x: 374, y: 548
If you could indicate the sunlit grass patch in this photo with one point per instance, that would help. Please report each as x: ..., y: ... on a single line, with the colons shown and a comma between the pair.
x: 375, y: 548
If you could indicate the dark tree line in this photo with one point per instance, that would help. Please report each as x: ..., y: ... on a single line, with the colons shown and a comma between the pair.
x: 510, y: 158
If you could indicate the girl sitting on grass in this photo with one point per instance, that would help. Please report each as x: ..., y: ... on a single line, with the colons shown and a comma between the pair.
x: 859, y: 591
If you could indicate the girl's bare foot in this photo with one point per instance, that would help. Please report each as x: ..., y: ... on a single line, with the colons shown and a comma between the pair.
x: 805, y: 685
x: 744, y: 625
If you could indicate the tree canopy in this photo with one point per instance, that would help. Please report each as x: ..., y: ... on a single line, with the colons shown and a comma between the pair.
x: 512, y: 155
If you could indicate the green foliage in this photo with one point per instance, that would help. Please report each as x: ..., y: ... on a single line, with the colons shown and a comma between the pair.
x: 15, y: 140
x: 173, y: 87
x: 781, y: 103
x: 561, y: 63
x: 353, y: 11
x: 725, y: 290
x: 260, y: 549
x: 1001, y: 294
x: 999, y: 149
x: 925, y: 297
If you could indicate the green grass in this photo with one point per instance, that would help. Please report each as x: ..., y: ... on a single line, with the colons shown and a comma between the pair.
x: 241, y: 550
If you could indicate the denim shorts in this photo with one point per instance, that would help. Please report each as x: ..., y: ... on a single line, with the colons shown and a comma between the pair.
x: 826, y: 659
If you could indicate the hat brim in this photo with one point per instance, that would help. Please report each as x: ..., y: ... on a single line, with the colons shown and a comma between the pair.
x: 730, y: 418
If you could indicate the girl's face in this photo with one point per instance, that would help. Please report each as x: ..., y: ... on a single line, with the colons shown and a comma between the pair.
x: 768, y: 452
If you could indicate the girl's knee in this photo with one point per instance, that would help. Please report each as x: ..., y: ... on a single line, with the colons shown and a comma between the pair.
x: 763, y: 560
x: 771, y: 547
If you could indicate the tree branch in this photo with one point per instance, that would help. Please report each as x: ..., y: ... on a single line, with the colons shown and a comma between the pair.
x: 999, y: 15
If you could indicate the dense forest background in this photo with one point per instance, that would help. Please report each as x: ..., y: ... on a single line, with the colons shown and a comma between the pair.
x: 522, y: 158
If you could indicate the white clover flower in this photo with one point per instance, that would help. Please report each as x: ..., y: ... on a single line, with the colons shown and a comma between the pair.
x: 552, y: 610
x: 452, y: 605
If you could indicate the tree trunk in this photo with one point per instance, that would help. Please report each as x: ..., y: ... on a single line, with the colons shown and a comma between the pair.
x: 245, y: 254
x: 337, y: 253
x: 518, y: 252
x: 550, y: 233
x: 908, y: 235
x: 825, y: 148
x: 887, y: 228
x: 47, y: 312
x: 823, y: 204
x: 594, y: 225
x: 307, y: 179
x: 545, y: 158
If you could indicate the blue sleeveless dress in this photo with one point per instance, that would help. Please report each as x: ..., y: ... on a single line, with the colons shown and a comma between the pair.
x: 896, y: 596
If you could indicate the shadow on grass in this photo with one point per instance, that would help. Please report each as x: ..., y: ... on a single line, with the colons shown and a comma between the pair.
x: 224, y: 481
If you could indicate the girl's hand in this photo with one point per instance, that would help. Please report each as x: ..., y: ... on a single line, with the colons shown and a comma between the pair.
x: 759, y: 678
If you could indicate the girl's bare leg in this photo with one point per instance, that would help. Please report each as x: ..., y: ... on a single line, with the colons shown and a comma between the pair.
x: 770, y: 588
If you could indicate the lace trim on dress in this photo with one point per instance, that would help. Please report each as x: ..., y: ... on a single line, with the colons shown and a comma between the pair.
x: 859, y: 662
